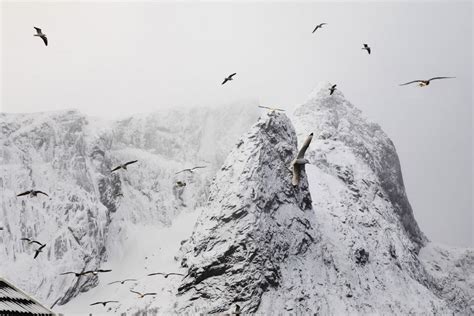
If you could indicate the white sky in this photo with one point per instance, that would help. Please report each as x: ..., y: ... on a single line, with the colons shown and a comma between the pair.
x: 113, y: 59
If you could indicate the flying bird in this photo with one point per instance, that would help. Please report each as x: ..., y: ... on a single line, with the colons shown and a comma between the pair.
x: 103, y: 303
x: 32, y: 193
x: 367, y: 48
x: 424, y: 83
x: 37, y: 251
x: 319, y: 26
x: 40, y: 34
x: 190, y: 169
x: 142, y: 295
x: 122, y: 281
x: 180, y: 184
x: 229, y: 78
x: 166, y: 275
x: 31, y: 241
x: 124, y: 166
x: 299, y: 162
x: 271, y: 109
x: 332, y: 89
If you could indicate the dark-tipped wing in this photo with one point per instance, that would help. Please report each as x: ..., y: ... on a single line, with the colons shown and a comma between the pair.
x: 42, y: 246
x: 156, y: 273
x: 45, y: 40
x: 174, y: 273
x: 232, y: 75
x: 149, y: 294
x: 102, y: 271
x: 334, y: 86
x: 368, y: 50
x: 317, y: 27
x: 24, y: 193
x: 114, y: 282
x: 130, y: 162
x: 97, y: 303
x: 225, y: 80
x: 264, y: 107
x: 69, y: 272
x: 198, y: 167
x: 183, y: 171
x: 305, y: 146
x: 41, y: 192
x: 26, y: 239
x: 116, y: 168
x: 435, y: 78
x: 38, y: 30
x: 404, y: 84
x: 36, y: 242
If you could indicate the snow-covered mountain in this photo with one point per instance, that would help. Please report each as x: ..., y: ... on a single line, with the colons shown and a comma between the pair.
x: 345, y: 241
x: 85, y: 220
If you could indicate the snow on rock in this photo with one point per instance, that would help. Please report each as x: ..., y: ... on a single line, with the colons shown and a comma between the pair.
x: 91, y: 212
x: 254, y: 222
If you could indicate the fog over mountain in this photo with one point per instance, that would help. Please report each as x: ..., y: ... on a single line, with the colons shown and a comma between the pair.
x: 344, y: 241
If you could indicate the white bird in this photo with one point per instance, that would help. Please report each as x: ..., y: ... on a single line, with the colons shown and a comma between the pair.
x: 41, y: 34
x: 424, y: 83
x: 298, y: 163
x: 271, y: 109
x: 124, y: 166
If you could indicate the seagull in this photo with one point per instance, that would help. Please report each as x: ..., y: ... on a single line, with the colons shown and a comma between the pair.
x: 78, y: 274
x: 31, y: 241
x: 124, y: 166
x: 96, y: 272
x: 190, y: 169
x: 271, y: 109
x: 142, y: 295
x: 180, y: 184
x: 424, y: 83
x: 40, y: 34
x: 122, y: 281
x: 32, y: 193
x: 229, y: 78
x: 367, y: 48
x: 300, y: 161
x: 319, y: 26
x: 165, y: 275
x: 103, y: 303
x: 332, y: 89
x: 37, y: 251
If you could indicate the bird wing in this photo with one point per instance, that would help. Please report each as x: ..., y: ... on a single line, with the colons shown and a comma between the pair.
x: 225, y: 80
x: 156, y: 273
x: 404, y: 84
x: 232, y: 75
x: 116, y: 168
x: 96, y: 303
x: 334, y: 86
x: 174, y: 273
x: 149, y: 294
x: 434, y: 78
x: 100, y: 270
x: 317, y: 26
x: 114, y: 282
x: 45, y: 39
x: 130, y: 162
x: 305, y: 146
x: 42, y: 246
x: 24, y: 193
x: 27, y: 239
x: 111, y: 302
x: 198, y: 167
x: 264, y: 107
x: 70, y: 272
x: 38, y: 30
x: 36, y: 253
x: 368, y: 50
x: 296, y: 174
x: 41, y: 192
x: 36, y: 242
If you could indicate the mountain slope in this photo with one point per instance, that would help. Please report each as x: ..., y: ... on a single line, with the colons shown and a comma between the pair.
x: 69, y: 156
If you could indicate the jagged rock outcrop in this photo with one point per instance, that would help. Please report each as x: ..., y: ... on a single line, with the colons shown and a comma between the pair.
x: 254, y: 222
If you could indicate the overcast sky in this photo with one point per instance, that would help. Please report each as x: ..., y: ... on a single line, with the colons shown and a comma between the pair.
x: 113, y: 59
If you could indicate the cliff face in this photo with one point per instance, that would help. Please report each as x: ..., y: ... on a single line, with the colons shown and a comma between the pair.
x: 90, y: 210
x: 254, y: 221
